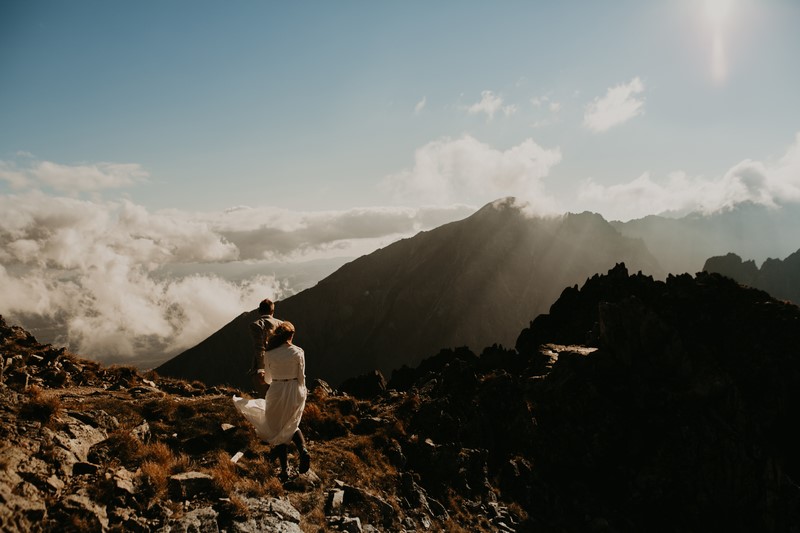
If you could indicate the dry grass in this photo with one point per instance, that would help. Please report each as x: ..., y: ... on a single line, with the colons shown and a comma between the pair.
x: 238, y: 509
x: 224, y: 473
x: 125, y: 411
x: 158, y: 463
x: 125, y: 375
x: 124, y: 446
x: 162, y: 409
x: 39, y: 407
x: 157, y: 452
x: 181, y: 463
x: 257, y: 478
x: 517, y: 511
x: 312, y: 510
x: 152, y: 479
x: 328, y: 422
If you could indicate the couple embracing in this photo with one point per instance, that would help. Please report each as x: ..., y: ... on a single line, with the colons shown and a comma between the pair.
x: 278, y: 367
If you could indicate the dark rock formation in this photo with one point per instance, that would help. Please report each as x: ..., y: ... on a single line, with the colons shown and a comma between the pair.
x: 780, y: 278
x: 365, y: 386
x: 683, y: 419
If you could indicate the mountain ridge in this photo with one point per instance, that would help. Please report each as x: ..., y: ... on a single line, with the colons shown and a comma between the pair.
x: 779, y: 277
x: 751, y: 230
x: 472, y: 282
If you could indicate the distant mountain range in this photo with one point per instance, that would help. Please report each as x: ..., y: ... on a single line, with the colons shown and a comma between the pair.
x: 478, y: 281
x: 473, y: 282
x: 780, y: 278
x: 683, y: 244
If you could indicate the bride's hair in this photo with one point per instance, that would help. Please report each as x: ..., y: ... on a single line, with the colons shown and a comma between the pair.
x: 283, y: 333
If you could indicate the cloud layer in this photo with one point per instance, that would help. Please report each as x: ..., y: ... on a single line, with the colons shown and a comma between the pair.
x: 89, y: 274
x: 71, y: 178
x: 770, y: 184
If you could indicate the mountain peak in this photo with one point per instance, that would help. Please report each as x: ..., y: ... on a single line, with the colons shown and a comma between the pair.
x: 470, y: 283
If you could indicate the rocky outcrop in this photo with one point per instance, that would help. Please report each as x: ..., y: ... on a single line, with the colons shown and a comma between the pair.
x: 681, y: 419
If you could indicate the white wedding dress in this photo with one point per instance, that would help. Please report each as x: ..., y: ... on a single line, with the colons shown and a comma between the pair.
x: 277, y: 416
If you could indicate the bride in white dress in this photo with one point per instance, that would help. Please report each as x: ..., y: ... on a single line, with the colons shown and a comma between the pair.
x: 276, y: 418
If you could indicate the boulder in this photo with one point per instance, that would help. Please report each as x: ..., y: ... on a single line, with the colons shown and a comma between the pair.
x: 268, y: 514
x: 202, y: 520
x: 188, y: 485
x: 365, y: 386
x: 81, y: 507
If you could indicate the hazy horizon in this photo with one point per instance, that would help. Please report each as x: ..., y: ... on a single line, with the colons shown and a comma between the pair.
x: 158, y: 162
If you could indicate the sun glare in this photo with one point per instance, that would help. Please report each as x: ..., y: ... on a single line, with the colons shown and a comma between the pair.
x: 718, y: 13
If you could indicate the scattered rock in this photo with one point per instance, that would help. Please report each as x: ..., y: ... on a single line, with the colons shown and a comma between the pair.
x: 365, y: 386
x: 268, y: 514
x: 188, y: 485
x: 80, y: 507
x: 203, y: 520
x: 83, y: 468
x: 124, y: 481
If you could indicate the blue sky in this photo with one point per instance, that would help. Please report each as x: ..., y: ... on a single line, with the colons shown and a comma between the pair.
x: 311, y: 105
x: 157, y: 155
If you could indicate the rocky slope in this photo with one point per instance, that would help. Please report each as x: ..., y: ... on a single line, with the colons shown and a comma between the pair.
x: 780, y: 278
x: 633, y: 405
x: 87, y: 448
x: 471, y: 283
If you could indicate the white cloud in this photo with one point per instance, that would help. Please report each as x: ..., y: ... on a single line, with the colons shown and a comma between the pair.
x: 120, y: 312
x: 270, y: 233
x: 94, y: 177
x: 769, y: 184
x: 97, y: 272
x: 420, y: 105
x: 15, y: 178
x: 619, y: 105
x: 467, y: 170
x: 555, y: 107
x: 71, y: 179
x: 490, y: 104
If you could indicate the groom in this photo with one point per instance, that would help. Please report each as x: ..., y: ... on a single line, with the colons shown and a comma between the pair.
x: 261, y: 330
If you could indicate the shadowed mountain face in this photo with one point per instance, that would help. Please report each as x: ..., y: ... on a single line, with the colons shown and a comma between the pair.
x: 683, y: 417
x: 683, y: 244
x: 780, y: 278
x: 469, y: 283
